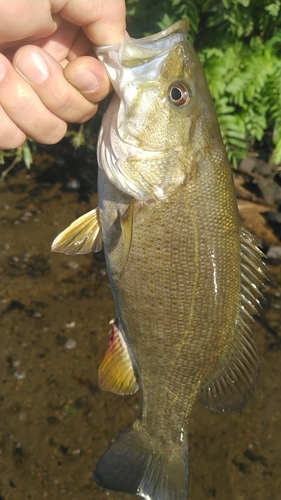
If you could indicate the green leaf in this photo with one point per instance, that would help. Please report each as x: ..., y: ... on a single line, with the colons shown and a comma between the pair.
x: 245, y: 3
x: 27, y: 156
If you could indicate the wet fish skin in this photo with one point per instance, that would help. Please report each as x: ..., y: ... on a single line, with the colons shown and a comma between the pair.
x: 190, y: 278
x: 179, y: 298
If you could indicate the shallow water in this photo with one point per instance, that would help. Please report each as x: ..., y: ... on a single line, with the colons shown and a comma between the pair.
x: 54, y: 311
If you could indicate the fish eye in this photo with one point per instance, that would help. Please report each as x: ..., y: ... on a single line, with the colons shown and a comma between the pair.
x: 179, y: 94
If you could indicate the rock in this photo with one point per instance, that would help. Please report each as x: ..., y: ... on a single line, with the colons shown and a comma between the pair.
x: 270, y: 190
x: 274, y: 253
x: 251, y: 164
x: 247, y: 165
x: 263, y: 168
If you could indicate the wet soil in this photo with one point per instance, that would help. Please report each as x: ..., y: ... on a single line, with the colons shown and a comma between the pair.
x: 54, y: 311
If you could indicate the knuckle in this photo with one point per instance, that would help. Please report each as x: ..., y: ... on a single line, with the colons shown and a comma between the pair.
x: 11, y: 136
x: 54, y: 133
x: 61, y: 101
x: 88, y: 115
x: 70, y: 105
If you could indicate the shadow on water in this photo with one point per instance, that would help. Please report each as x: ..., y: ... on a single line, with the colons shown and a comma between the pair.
x: 55, y: 422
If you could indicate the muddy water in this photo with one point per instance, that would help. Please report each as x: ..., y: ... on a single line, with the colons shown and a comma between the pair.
x: 54, y: 311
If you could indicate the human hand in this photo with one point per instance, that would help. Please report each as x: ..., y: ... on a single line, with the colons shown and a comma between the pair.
x: 47, y: 77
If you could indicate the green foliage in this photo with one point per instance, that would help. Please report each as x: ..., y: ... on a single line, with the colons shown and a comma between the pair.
x: 239, y: 45
x: 77, y: 138
x: 21, y: 154
x: 238, y: 42
x: 245, y: 82
x: 146, y: 17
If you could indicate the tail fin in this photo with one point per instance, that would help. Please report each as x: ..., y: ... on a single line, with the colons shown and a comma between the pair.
x: 141, y: 465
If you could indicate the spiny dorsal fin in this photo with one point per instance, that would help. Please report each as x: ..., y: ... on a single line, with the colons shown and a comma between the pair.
x: 229, y: 389
x: 84, y: 235
x: 116, y: 372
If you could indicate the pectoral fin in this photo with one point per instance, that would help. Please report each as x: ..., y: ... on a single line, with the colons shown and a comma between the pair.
x: 230, y: 387
x: 82, y: 236
x: 116, y: 372
x: 127, y: 223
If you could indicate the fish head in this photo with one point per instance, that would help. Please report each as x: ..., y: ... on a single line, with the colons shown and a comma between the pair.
x: 150, y: 137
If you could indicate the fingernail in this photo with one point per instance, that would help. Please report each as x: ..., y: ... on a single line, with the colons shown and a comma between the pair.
x: 2, y: 70
x: 85, y: 81
x: 32, y: 66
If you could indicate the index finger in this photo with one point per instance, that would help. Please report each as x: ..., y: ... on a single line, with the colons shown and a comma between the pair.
x: 104, y: 21
x: 110, y: 26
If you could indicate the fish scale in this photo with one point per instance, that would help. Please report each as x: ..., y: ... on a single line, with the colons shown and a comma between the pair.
x: 184, y: 274
x: 187, y: 320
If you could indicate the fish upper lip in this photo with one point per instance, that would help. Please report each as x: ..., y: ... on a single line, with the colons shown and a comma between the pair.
x: 178, y: 27
x: 181, y: 26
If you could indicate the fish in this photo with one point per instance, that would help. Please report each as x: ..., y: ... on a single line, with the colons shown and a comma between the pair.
x: 185, y: 275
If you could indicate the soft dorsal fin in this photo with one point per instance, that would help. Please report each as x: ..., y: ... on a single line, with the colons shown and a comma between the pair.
x: 116, y: 372
x: 229, y: 389
x: 84, y: 235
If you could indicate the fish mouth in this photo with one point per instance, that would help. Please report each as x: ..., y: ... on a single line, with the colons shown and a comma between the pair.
x: 136, y: 52
x: 178, y: 27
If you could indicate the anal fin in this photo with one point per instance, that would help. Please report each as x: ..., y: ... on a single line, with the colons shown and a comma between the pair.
x: 230, y: 387
x: 116, y: 372
x: 84, y: 235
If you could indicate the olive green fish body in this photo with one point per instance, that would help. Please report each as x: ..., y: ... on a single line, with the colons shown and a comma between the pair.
x: 179, y: 296
x: 179, y: 290
x: 184, y: 274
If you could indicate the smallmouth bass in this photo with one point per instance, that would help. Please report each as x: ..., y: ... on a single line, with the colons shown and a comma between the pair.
x: 184, y: 274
